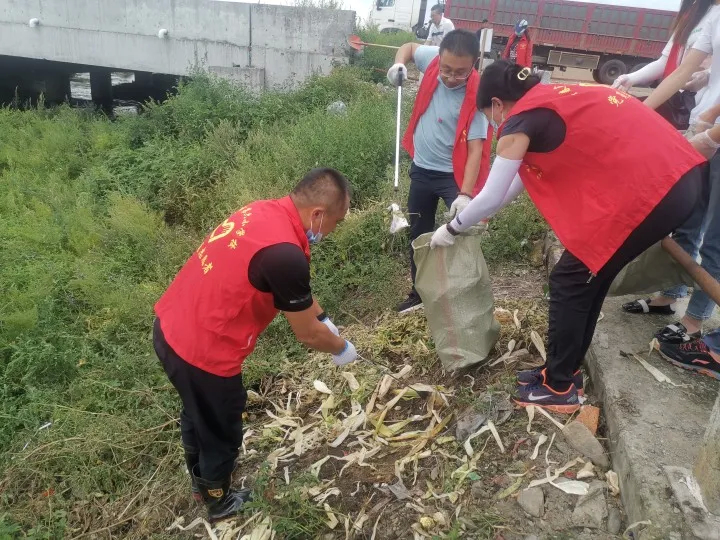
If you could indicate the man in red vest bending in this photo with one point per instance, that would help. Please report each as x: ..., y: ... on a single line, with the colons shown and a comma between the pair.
x: 449, y: 143
x: 253, y: 265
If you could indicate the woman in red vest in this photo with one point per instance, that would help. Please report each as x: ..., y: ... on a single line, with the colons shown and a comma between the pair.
x: 582, y: 152
x: 447, y: 139
x: 519, y: 46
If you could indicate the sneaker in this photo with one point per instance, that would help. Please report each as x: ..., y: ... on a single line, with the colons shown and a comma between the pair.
x: 411, y: 303
x: 693, y: 355
x: 537, y: 375
x: 675, y: 334
x: 541, y: 395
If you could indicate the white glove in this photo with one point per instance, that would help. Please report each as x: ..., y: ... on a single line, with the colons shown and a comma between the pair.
x: 347, y: 355
x: 395, y: 72
x: 697, y: 127
x: 442, y: 238
x: 704, y: 144
x: 623, y: 82
x: 327, y: 322
x: 698, y: 81
x: 458, y: 205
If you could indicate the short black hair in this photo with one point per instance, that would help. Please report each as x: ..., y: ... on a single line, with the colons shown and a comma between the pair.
x: 322, y: 185
x: 461, y: 43
x: 438, y: 8
x: 504, y: 80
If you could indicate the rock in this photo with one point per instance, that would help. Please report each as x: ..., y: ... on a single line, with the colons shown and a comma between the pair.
x: 591, y: 510
x: 582, y: 440
x: 532, y: 500
x: 478, y: 490
x: 337, y: 107
x: 531, y: 537
x: 614, y: 522
x: 469, y: 423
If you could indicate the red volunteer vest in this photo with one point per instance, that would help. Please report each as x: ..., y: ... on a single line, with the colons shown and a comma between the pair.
x: 211, y: 315
x: 524, y: 50
x: 467, y: 112
x: 617, y: 162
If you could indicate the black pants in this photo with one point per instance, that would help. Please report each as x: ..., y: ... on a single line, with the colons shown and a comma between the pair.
x: 211, y: 419
x: 426, y: 189
x: 576, y: 300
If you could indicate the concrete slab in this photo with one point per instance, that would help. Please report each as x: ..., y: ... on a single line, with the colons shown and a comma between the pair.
x: 703, y: 524
x: 650, y: 425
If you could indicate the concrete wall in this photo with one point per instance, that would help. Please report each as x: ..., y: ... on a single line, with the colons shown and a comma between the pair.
x: 287, y: 43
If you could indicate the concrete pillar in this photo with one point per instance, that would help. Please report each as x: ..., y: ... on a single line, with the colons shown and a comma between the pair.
x: 101, y: 89
x: 57, y: 88
x: 707, y: 466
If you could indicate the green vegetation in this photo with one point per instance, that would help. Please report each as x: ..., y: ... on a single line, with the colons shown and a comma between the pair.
x: 95, y: 219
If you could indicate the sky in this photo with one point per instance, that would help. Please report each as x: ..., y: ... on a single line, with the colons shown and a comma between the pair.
x: 362, y: 7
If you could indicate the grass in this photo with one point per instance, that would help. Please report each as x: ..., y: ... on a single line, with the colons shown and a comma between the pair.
x: 96, y: 217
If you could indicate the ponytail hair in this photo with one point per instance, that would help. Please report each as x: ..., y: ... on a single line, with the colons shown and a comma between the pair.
x: 506, y: 81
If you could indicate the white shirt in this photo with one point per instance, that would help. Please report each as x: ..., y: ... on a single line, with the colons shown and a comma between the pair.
x: 439, y: 31
x: 654, y: 70
x: 708, y: 41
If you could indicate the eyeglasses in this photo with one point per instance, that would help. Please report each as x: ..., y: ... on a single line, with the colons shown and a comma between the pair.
x: 455, y: 76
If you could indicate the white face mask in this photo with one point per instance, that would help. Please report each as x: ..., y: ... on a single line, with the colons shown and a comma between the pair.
x: 493, y: 123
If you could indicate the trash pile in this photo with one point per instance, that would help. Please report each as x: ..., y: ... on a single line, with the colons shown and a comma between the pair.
x: 389, y: 451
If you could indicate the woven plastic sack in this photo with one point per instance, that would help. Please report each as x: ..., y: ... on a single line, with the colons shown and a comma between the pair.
x: 654, y: 270
x: 455, y: 288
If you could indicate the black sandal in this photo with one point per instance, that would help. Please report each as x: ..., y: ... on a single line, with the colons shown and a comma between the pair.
x: 643, y: 307
x: 676, y: 334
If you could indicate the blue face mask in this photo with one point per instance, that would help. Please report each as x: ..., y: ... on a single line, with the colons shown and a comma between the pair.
x: 312, y: 237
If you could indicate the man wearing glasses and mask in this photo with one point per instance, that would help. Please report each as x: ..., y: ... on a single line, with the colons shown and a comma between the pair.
x: 446, y: 138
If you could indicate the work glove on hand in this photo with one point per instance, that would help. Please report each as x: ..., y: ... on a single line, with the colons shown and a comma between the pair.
x: 458, y: 205
x: 623, y: 82
x: 442, y: 238
x: 696, y: 128
x: 698, y: 81
x: 396, y: 72
x: 347, y: 355
x: 327, y: 322
x: 704, y: 144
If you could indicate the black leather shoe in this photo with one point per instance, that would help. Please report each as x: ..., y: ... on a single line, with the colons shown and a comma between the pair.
x: 221, y: 500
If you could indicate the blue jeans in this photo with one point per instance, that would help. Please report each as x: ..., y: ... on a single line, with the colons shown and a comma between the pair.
x: 701, y: 235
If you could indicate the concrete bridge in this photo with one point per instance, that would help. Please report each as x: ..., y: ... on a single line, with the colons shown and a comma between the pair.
x: 260, y: 46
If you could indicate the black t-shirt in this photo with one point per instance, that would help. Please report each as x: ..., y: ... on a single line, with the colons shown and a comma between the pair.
x: 284, y: 271
x: 544, y: 127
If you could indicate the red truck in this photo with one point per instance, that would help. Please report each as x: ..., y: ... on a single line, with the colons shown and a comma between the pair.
x: 609, y: 40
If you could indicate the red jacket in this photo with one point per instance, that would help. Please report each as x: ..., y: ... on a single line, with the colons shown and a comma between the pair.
x: 467, y: 112
x: 524, y: 50
x: 617, y: 162
x: 211, y: 315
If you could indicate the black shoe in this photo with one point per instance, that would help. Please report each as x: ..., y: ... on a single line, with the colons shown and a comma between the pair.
x: 675, y: 333
x: 643, y: 307
x: 192, y: 458
x: 693, y: 355
x: 411, y: 303
x: 221, y: 500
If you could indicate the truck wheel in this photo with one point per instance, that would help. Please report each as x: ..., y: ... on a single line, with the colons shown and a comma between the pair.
x: 611, y: 70
x: 596, y: 76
